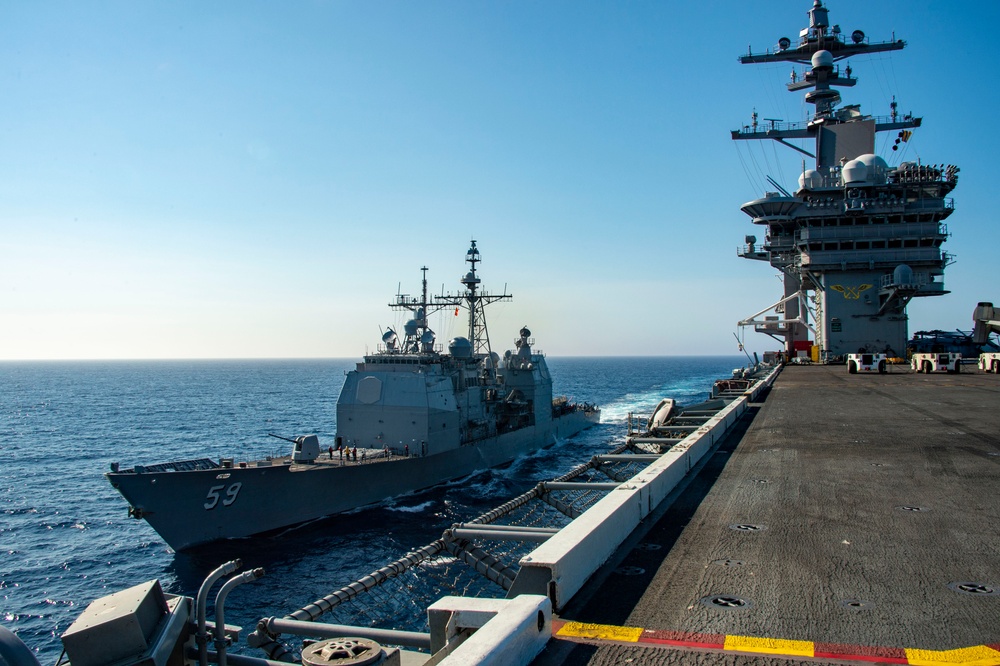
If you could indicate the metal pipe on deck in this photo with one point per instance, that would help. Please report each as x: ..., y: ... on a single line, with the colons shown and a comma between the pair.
x: 501, y: 535
x: 655, y: 440
x: 579, y: 485
x: 243, y: 660
x: 201, y: 637
x: 321, y: 630
x: 503, y: 528
x: 220, y: 612
x: 636, y: 457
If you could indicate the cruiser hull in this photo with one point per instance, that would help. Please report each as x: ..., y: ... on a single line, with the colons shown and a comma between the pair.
x: 196, y: 507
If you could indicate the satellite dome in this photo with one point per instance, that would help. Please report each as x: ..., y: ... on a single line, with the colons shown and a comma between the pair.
x: 855, y: 171
x: 460, y: 348
x: 525, y: 333
x: 427, y: 337
x: 822, y: 59
x: 810, y: 180
x: 873, y: 160
x: 410, y: 327
x: 902, y: 275
x: 877, y: 167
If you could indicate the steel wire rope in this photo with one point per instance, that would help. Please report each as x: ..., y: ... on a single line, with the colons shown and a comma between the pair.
x: 777, y: 162
x: 759, y: 171
x: 878, y: 66
x: 779, y: 103
x: 751, y: 178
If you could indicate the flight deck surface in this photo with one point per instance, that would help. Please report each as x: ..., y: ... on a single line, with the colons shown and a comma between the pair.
x: 849, y: 518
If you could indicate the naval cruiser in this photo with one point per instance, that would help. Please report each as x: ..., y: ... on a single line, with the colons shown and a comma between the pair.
x: 417, y: 416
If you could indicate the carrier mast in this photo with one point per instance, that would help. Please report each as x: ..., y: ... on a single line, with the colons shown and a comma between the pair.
x: 859, y: 238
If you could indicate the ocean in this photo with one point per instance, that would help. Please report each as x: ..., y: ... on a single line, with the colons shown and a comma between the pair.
x: 65, y: 538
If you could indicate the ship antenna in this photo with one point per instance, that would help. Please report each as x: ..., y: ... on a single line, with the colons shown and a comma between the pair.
x: 471, y: 282
x: 422, y: 324
x: 476, y: 303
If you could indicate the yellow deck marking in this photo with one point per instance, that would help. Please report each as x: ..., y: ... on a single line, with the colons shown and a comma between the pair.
x: 978, y: 655
x: 602, y: 631
x: 769, y: 645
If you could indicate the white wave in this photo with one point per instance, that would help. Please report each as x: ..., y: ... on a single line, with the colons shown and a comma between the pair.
x: 412, y: 509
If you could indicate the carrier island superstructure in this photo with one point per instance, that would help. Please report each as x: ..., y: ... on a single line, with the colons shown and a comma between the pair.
x: 859, y: 238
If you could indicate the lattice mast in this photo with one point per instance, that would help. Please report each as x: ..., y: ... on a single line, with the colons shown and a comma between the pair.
x: 475, y: 301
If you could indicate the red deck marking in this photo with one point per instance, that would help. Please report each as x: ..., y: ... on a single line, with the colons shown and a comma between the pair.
x: 683, y: 638
x: 861, y: 653
x: 689, y: 639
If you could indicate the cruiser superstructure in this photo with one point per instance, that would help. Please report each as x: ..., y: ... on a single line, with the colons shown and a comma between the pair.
x: 409, y: 416
x: 859, y: 238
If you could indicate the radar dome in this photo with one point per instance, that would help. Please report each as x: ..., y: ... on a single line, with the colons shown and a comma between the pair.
x: 460, y: 348
x: 822, y: 59
x: 855, y: 171
x: 410, y: 327
x: 810, y: 180
x: 877, y: 167
x: 902, y: 275
x: 427, y: 341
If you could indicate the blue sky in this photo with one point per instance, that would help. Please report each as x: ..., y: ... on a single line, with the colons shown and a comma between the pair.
x: 256, y: 179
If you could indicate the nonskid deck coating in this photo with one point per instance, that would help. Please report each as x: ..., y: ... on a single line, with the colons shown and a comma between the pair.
x: 877, y: 494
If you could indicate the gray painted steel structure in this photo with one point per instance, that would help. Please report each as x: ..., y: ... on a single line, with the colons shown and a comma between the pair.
x: 858, y: 239
x: 421, y: 416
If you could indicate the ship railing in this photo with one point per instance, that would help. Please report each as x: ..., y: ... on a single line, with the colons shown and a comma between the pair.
x: 178, y: 466
x: 769, y: 127
x: 919, y: 174
x: 918, y: 280
x: 869, y: 258
x: 871, y: 232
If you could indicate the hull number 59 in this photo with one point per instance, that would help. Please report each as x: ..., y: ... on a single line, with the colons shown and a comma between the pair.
x: 213, y: 497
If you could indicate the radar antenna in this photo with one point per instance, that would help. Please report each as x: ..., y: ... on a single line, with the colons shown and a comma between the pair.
x: 475, y: 301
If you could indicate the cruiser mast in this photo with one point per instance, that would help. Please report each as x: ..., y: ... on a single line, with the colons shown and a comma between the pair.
x: 475, y: 302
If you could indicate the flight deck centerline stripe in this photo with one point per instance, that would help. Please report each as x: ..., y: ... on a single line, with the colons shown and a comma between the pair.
x: 601, y: 631
x: 979, y: 655
x: 769, y: 645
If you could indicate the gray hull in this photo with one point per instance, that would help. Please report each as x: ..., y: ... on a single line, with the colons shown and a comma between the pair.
x: 191, y: 508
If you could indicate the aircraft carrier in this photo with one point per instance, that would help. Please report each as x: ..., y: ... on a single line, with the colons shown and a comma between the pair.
x: 847, y: 519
